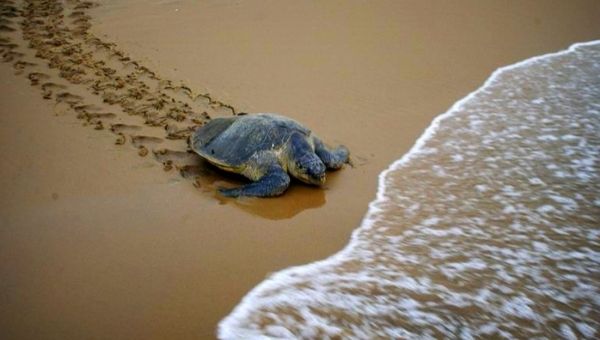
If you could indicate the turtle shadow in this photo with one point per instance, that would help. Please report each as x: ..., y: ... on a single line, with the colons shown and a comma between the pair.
x: 297, y: 198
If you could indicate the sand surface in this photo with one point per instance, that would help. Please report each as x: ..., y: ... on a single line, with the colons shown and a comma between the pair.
x: 96, y: 242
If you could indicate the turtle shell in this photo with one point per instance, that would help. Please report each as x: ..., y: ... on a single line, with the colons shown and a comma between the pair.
x: 230, y: 142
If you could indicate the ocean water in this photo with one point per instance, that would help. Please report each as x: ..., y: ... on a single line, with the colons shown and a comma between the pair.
x: 489, y: 226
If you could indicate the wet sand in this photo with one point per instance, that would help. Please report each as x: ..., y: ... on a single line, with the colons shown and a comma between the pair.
x: 99, y: 242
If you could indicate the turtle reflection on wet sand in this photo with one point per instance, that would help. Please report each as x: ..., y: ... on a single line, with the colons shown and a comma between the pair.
x: 266, y: 148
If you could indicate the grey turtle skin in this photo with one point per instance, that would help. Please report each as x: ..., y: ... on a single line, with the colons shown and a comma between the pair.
x: 266, y: 148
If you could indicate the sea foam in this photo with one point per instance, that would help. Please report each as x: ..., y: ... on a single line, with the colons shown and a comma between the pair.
x: 489, y: 225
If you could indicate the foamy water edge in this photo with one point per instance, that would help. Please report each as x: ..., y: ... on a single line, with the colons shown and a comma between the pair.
x: 227, y: 328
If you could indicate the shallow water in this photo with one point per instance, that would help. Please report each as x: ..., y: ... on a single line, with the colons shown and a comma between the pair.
x: 490, y: 226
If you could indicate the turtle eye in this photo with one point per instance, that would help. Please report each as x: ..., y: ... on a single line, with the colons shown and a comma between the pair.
x: 299, y: 166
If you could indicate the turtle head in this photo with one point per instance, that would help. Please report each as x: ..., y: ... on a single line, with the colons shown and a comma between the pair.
x: 303, y: 162
x: 308, y: 168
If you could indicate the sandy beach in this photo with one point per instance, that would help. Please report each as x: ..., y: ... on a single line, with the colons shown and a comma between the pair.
x: 98, y: 242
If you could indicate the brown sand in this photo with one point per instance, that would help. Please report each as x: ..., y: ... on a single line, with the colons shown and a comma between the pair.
x: 97, y: 243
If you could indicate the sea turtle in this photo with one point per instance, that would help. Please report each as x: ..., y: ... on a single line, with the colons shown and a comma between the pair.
x: 265, y: 148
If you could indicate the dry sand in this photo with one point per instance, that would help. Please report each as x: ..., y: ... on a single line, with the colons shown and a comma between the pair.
x: 96, y: 242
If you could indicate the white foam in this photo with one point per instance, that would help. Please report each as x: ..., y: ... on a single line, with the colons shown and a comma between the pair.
x: 540, y: 246
x: 546, y: 208
x: 536, y: 181
x: 548, y: 138
x: 567, y: 202
x: 519, y: 307
x: 489, y: 328
x: 431, y: 221
x: 585, y: 329
x: 538, y: 101
x: 481, y: 187
x: 231, y: 327
x: 567, y: 332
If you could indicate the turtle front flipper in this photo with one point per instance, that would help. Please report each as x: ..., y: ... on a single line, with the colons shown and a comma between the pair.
x: 273, y: 183
x: 333, y: 159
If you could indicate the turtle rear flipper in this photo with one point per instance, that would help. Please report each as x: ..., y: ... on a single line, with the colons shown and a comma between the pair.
x: 274, y: 182
x: 208, y: 132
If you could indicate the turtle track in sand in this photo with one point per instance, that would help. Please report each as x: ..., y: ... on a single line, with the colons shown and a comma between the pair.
x: 49, y: 43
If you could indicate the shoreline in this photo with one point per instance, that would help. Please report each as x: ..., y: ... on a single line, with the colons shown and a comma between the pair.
x: 257, y: 300
x: 169, y: 260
